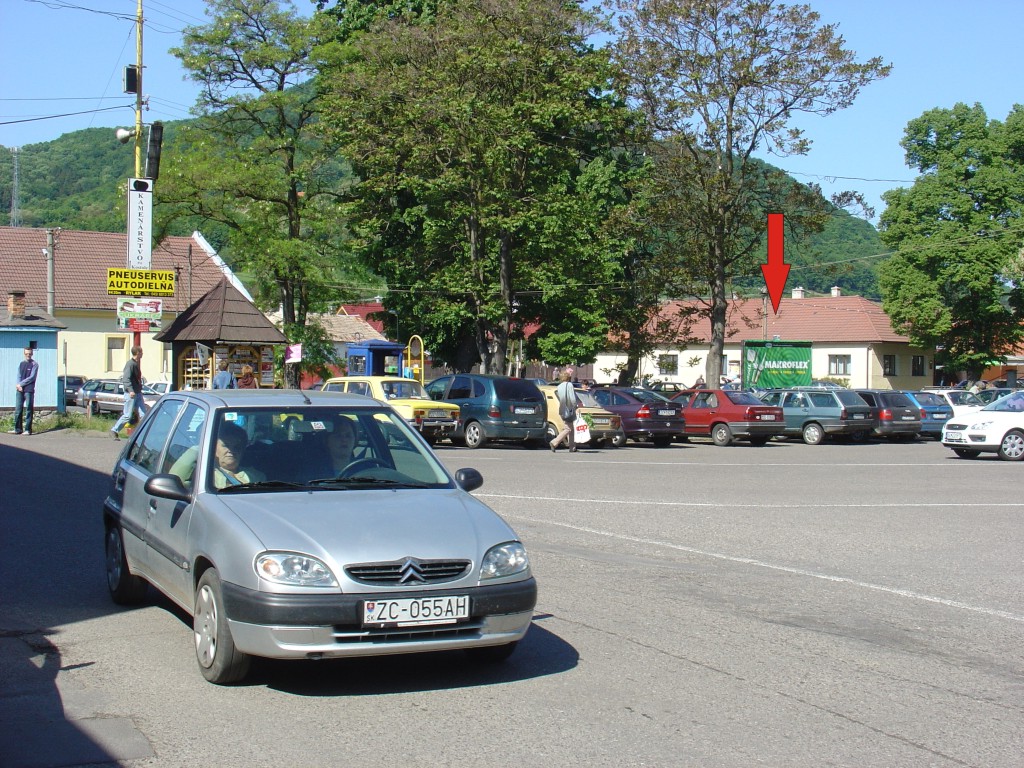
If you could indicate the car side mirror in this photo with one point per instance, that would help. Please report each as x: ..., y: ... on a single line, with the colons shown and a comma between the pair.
x: 168, y: 486
x: 469, y: 479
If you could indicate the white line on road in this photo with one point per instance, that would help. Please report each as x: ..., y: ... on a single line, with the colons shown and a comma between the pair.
x: 771, y: 566
x: 731, y: 505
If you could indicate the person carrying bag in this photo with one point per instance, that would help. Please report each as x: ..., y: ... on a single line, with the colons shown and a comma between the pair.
x: 565, y: 394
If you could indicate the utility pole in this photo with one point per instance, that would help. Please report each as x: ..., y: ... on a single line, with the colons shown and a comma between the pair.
x: 138, y: 91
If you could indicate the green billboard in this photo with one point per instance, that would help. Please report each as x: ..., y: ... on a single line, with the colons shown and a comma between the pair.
x: 776, y: 364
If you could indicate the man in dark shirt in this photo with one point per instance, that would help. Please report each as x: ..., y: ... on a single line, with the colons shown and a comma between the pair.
x: 24, y: 399
x: 131, y: 378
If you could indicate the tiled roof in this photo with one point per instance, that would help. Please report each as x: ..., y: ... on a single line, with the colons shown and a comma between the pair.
x: 222, y: 314
x: 348, y: 328
x: 367, y: 311
x: 34, y: 317
x: 822, y: 319
x: 81, y: 260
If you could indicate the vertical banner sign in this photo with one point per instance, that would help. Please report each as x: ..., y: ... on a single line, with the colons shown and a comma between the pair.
x: 140, y: 223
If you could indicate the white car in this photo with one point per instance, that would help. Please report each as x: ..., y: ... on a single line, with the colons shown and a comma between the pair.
x: 996, y: 428
x: 960, y: 401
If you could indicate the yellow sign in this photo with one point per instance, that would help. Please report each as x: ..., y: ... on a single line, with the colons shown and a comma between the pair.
x: 140, y: 282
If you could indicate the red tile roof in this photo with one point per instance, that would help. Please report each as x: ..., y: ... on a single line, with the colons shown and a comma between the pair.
x: 81, y: 260
x: 821, y: 319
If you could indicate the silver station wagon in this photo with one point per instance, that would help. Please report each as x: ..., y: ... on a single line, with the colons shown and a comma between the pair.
x: 309, y: 525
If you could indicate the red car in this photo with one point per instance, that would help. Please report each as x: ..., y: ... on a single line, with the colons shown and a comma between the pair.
x: 724, y: 415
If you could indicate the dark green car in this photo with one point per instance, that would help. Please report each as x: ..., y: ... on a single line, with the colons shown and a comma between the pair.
x: 811, y: 414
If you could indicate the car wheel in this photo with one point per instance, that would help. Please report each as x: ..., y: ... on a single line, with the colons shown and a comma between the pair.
x: 619, y: 440
x: 475, y: 437
x: 721, y: 434
x: 1012, y: 447
x: 966, y: 453
x: 759, y: 440
x: 813, y: 433
x: 662, y: 441
x: 491, y: 654
x: 219, y: 660
x: 125, y: 588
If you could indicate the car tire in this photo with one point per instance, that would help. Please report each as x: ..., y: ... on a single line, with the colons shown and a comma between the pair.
x: 721, y: 434
x: 1012, y: 446
x: 966, y: 453
x: 125, y: 588
x: 662, y: 441
x: 219, y: 660
x: 619, y: 440
x: 474, y: 435
x: 813, y: 434
x: 491, y: 654
x: 759, y: 440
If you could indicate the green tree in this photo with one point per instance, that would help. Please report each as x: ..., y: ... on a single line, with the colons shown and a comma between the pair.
x: 957, y: 231
x: 718, y: 81
x: 251, y: 161
x: 481, y: 138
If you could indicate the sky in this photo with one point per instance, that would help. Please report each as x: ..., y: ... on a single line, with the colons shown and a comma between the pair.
x: 59, y: 57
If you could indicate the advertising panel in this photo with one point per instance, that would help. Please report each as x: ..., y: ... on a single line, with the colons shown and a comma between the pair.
x: 776, y: 364
x: 140, y: 314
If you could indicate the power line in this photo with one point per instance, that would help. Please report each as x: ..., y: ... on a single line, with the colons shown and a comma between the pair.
x: 66, y: 114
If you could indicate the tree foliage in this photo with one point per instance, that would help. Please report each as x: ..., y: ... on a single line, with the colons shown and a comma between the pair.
x: 482, y: 138
x: 718, y: 81
x: 957, y: 232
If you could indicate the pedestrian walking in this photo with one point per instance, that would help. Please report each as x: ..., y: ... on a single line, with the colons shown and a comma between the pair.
x: 25, y: 397
x: 223, y: 378
x: 565, y: 395
x: 131, y: 378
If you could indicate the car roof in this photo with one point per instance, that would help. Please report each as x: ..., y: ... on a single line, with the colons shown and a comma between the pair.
x: 255, y: 398
x: 357, y: 377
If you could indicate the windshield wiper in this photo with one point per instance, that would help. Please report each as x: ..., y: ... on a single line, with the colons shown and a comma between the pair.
x: 345, y: 482
x: 264, y: 485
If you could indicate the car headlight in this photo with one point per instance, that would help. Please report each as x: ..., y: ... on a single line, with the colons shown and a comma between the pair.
x: 294, y: 570
x: 504, y: 560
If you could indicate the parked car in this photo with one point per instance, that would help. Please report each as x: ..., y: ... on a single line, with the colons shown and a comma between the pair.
x: 70, y: 385
x: 493, y: 408
x: 935, y: 411
x: 960, y: 401
x: 646, y: 416
x: 996, y: 428
x: 434, y: 420
x: 160, y: 387
x: 107, y: 396
x: 812, y: 413
x: 724, y: 415
x: 275, y: 553
x: 667, y: 388
x: 605, y: 426
x: 896, y: 417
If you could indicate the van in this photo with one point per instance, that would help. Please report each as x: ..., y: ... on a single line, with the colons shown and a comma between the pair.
x: 493, y: 408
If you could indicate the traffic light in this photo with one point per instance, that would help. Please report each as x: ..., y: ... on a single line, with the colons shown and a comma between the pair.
x: 156, y: 137
x: 130, y: 81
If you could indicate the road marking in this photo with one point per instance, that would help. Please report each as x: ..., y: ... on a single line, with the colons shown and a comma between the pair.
x: 773, y: 566
x: 626, y: 502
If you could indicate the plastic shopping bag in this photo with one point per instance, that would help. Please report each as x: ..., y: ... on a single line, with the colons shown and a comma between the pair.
x: 581, y: 431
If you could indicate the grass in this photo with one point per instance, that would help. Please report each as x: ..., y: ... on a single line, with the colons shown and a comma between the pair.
x: 77, y: 422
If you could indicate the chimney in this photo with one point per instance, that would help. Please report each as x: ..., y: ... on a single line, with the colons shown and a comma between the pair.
x: 798, y: 293
x: 836, y: 292
x: 16, y: 304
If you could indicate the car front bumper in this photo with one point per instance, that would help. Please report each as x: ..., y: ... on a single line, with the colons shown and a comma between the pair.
x: 295, y: 626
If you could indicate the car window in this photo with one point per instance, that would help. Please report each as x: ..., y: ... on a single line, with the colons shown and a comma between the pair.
x: 771, y: 398
x: 684, y: 399
x: 516, y: 389
x: 359, y: 388
x: 462, y: 387
x: 334, y: 386
x: 796, y: 400
x: 846, y: 397
x: 825, y: 400
x: 647, y: 396
x: 146, y: 450
x: 603, y: 397
x: 183, y: 446
x: 896, y: 400
x: 405, y: 390
x: 742, y: 398
x: 929, y: 398
x: 436, y: 388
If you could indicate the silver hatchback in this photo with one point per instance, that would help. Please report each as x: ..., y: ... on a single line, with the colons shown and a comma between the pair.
x: 309, y: 525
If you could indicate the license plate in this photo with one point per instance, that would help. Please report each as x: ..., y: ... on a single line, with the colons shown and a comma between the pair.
x: 941, y: 416
x: 601, y: 422
x: 408, y: 612
x: 525, y: 409
x: 666, y: 413
x: 954, y: 437
x: 437, y: 413
x: 909, y: 418
x: 858, y: 415
x: 767, y: 417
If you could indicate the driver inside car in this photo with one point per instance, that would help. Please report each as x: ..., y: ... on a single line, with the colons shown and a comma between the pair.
x: 341, y: 443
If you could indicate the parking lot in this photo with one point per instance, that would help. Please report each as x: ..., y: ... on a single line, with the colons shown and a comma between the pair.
x: 785, y: 605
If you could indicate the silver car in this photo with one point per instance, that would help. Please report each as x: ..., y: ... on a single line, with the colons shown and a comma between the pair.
x: 309, y: 525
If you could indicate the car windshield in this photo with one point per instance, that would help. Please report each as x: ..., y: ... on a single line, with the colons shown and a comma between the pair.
x: 929, y: 399
x: 743, y: 398
x: 957, y: 397
x: 314, y: 449
x: 846, y: 397
x: 587, y: 399
x: 648, y: 396
x: 404, y: 390
x: 1014, y: 403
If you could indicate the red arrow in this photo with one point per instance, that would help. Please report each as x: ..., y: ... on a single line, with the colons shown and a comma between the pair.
x: 776, y: 271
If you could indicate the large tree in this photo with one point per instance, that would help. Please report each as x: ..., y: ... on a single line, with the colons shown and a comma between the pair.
x: 954, y: 281
x: 482, y: 139
x: 720, y: 81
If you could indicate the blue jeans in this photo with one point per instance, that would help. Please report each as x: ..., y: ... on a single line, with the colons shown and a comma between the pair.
x: 132, y: 403
x: 23, y: 402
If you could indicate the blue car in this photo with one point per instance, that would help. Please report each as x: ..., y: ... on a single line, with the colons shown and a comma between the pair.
x: 935, y: 411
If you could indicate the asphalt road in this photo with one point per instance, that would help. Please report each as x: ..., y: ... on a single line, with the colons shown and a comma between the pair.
x: 848, y: 605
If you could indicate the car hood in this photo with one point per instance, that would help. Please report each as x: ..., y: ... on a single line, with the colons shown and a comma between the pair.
x: 367, y: 526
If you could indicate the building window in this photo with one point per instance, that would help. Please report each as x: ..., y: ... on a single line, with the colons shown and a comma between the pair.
x: 839, y: 365
x: 668, y: 365
x: 917, y: 365
x: 116, y: 357
x: 888, y: 365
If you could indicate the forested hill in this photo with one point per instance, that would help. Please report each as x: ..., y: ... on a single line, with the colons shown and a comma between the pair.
x: 75, y: 182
